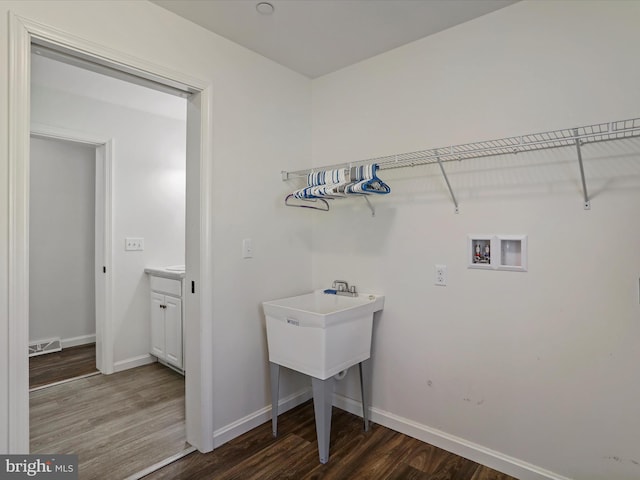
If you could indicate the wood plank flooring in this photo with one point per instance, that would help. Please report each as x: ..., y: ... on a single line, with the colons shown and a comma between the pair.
x: 69, y: 363
x: 380, y: 454
x: 123, y: 423
x: 117, y: 424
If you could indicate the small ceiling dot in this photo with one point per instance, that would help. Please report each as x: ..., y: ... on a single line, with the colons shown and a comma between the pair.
x: 265, y: 8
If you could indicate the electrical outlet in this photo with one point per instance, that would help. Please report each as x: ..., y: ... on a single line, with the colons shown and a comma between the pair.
x: 133, y: 244
x: 441, y: 275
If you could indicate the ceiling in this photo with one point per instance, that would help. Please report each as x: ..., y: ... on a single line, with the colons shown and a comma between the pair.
x: 312, y: 37
x: 316, y: 37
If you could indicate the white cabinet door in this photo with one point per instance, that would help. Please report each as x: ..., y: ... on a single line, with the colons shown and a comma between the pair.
x: 158, y: 325
x: 166, y: 321
x: 173, y: 330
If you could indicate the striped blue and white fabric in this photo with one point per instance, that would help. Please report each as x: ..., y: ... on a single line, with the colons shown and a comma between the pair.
x: 340, y: 182
x: 323, y: 184
x: 364, y: 180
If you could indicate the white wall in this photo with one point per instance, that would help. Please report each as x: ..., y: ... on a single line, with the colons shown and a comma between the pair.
x: 261, y: 122
x: 538, y: 366
x: 61, y: 240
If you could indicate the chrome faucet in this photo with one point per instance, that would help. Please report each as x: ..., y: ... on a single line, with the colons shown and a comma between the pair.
x: 342, y: 288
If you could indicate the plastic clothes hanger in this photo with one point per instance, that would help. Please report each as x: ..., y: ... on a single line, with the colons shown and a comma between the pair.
x: 321, y: 203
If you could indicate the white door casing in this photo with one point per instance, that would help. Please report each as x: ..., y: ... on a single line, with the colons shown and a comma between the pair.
x: 103, y: 234
x: 198, y: 308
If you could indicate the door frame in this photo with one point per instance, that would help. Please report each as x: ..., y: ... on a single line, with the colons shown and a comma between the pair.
x: 103, y: 233
x: 199, y: 308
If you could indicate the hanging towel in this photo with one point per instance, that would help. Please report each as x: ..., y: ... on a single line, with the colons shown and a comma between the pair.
x: 323, y: 184
x: 365, y: 181
x: 361, y: 180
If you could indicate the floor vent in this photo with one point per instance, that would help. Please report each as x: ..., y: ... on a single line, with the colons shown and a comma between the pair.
x: 44, y: 346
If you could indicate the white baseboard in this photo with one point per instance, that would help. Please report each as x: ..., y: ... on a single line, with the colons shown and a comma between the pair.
x: 477, y: 453
x: 75, y: 341
x: 133, y: 362
x: 255, y: 419
x: 482, y: 455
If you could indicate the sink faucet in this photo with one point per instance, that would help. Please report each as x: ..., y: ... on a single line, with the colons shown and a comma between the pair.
x: 342, y: 288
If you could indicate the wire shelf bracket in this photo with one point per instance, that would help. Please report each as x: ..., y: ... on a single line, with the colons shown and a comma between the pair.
x: 587, y: 202
x: 373, y: 210
x: 576, y: 137
x: 446, y: 179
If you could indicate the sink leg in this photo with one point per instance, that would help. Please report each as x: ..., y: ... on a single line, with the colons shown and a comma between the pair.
x: 365, y: 383
x: 275, y: 385
x: 322, y: 404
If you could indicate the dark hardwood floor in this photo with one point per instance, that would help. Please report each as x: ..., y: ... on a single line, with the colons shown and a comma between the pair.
x: 380, y: 454
x: 69, y: 363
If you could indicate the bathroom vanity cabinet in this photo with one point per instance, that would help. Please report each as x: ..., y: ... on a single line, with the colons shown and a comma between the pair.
x: 166, y: 322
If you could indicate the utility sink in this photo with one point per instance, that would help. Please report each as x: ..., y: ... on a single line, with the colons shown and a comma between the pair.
x: 321, y: 334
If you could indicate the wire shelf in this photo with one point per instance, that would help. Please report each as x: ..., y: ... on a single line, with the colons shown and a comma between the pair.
x: 568, y: 137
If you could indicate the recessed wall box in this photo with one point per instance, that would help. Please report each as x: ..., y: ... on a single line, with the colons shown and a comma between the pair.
x: 497, y: 252
x: 513, y: 252
x: 480, y: 249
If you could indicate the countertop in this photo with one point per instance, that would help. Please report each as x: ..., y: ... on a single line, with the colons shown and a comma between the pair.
x: 164, y: 272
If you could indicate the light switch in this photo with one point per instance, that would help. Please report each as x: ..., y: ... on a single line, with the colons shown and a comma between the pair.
x: 133, y: 244
x: 247, y: 248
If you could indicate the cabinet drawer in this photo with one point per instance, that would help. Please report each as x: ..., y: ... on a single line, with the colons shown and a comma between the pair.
x: 166, y: 285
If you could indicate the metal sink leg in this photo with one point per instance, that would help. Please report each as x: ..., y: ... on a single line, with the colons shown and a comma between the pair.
x: 322, y: 404
x: 365, y: 383
x: 275, y: 385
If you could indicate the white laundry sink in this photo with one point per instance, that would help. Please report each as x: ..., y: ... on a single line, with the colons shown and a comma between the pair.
x: 321, y: 334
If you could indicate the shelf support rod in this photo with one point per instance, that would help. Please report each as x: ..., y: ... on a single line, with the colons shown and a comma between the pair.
x: 587, y: 202
x: 446, y: 179
x: 373, y: 210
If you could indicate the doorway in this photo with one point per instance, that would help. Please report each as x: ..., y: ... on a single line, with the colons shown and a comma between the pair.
x: 68, y: 218
x: 102, y: 246
x: 63, y: 214
x: 147, y: 183
x: 148, y: 190
x: 198, y: 324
